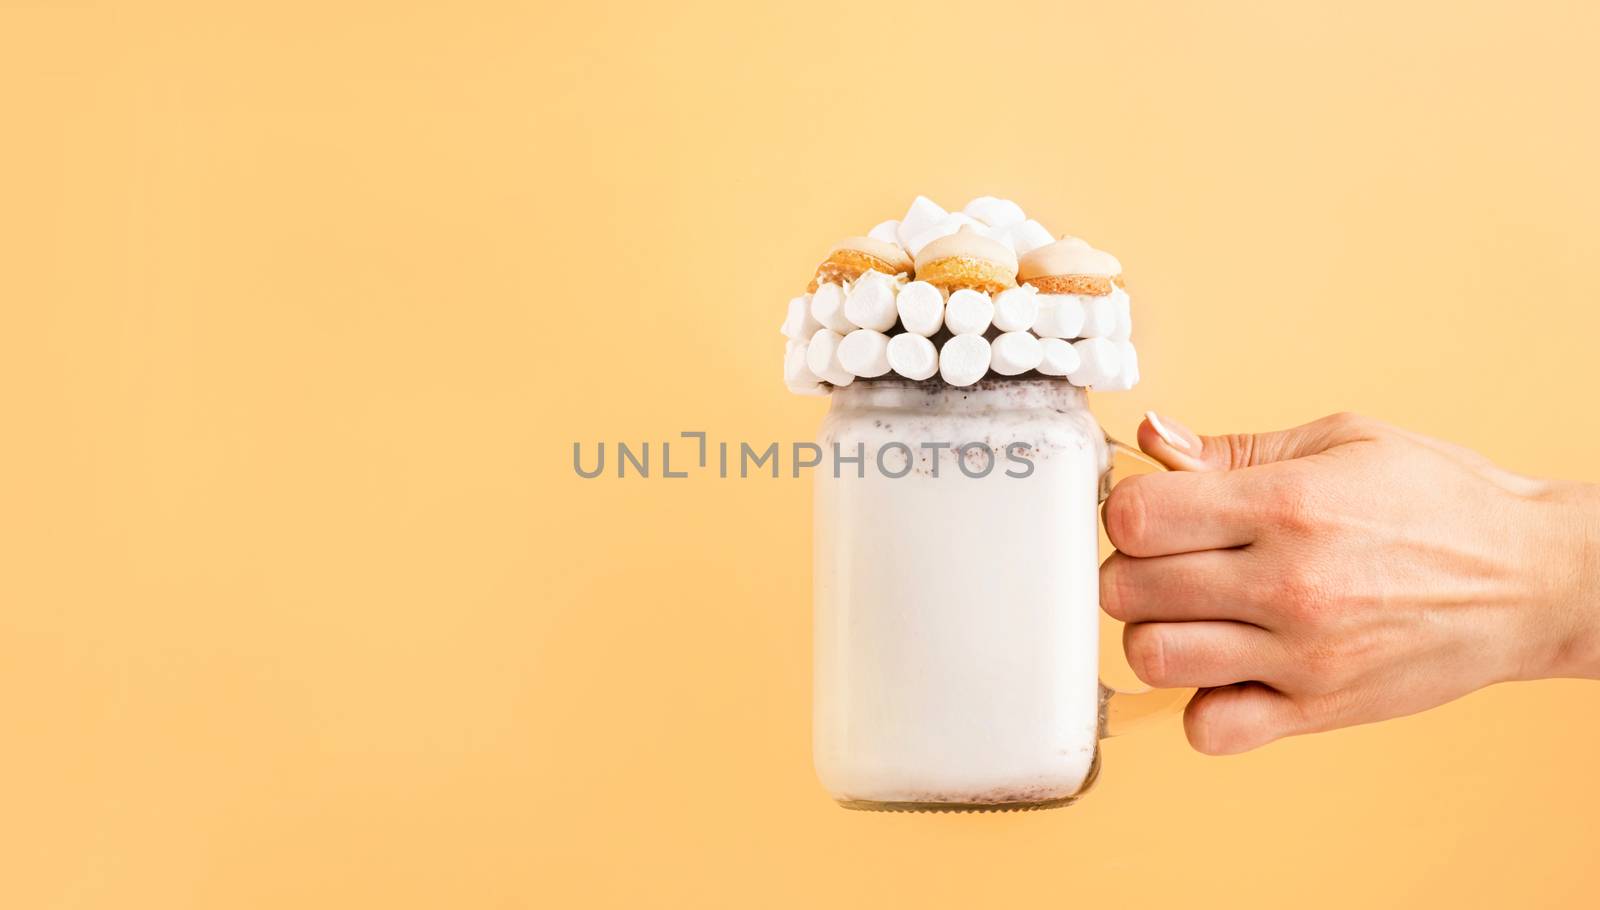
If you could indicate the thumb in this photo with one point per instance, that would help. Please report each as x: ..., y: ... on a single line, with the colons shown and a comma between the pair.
x: 1182, y: 449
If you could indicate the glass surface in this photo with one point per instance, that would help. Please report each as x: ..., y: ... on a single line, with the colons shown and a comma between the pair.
x: 956, y: 609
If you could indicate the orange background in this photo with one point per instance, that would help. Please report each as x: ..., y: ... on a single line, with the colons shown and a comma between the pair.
x: 303, y: 305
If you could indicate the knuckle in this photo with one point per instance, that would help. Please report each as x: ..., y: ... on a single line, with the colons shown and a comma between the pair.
x: 1322, y: 667
x: 1113, y: 596
x: 1299, y: 593
x: 1240, y: 449
x: 1148, y: 654
x: 1345, y: 420
x: 1207, y: 727
x: 1334, y: 662
x: 1202, y: 734
x: 1326, y: 709
x: 1128, y: 516
x: 1348, y: 425
x: 1292, y: 505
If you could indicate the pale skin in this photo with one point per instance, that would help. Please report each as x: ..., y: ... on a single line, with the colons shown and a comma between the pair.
x: 1343, y: 572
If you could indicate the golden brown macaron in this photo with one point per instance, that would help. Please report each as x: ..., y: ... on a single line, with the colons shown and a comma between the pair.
x: 967, y: 259
x: 1070, y: 266
x: 852, y: 256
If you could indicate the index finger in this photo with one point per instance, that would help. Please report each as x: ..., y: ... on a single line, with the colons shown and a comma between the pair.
x: 1184, y: 511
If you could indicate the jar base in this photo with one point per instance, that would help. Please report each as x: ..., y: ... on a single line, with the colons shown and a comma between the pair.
x: 1022, y: 805
x: 868, y: 805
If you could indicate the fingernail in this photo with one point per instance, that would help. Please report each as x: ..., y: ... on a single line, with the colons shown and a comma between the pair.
x: 1171, y: 436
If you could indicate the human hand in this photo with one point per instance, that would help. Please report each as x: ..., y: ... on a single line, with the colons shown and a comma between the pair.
x: 1343, y: 572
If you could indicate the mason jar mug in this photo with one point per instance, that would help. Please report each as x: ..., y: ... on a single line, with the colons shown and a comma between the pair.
x: 956, y: 586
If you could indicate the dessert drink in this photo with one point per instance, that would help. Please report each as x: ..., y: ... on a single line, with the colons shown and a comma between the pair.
x: 956, y: 632
x: 956, y: 586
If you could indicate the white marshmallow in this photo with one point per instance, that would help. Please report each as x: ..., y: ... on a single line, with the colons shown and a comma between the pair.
x: 921, y: 308
x: 798, y: 324
x: 864, y: 352
x: 964, y: 359
x: 968, y: 312
x: 797, y: 375
x: 870, y: 301
x: 1057, y: 357
x: 923, y: 214
x: 1028, y: 236
x: 993, y: 233
x: 886, y: 231
x: 1124, y: 308
x: 995, y: 212
x: 1128, y: 376
x: 822, y: 356
x: 827, y: 308
x: 1099, y: 317
x: 913, y: 356
x: 1101, y: 362
x: 1060, y: 316
x: 1015, y: 309
x: 944, y: 227
x: 1015, y: 352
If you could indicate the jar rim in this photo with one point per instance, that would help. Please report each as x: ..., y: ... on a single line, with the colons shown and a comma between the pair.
x: 1008, y: 393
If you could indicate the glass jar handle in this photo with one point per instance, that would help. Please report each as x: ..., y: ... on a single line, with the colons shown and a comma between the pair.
x: 1122, y: 710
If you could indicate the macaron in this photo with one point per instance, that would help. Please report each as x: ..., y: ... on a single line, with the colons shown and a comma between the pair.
x: 853, y: 256
x: 1070, y: 266
x: 968, y: 259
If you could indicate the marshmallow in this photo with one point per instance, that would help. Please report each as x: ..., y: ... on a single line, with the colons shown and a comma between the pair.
x: 993, y: 233
x: 1015, y: 309
x: 1130, y: 363
x: 1128, y: 376
x: 1101, y: 362
x: 1099, y: 317
x: 827, y: 308
x: 944, y: 227
x: 994, y: 212
x: 923, y: 214
x: 1015, y: 352
x: 964, y: 359
x: 887, y: 231
x: 913, y: 356
x: 1124, y: 308
x: 968, y: 312
x: 1057, y: 357
x: 822, y: 357
x: 797, y: 375
x: 870, y: 301
x: 1028, y: 236
x: 921, y: 308
x: 1060, y: 316
x: 798, y: 324
x: 865, y: 353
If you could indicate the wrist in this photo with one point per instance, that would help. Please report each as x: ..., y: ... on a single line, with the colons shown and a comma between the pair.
x: 1570, y: 605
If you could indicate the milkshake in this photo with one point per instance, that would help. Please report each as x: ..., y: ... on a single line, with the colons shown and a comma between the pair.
x: 956, y: 630
x: 956, y: 587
